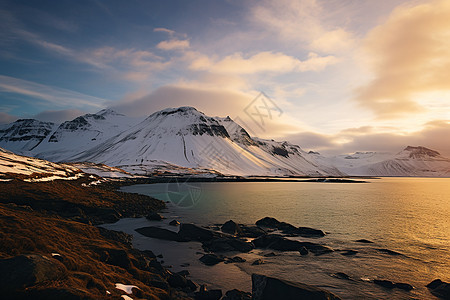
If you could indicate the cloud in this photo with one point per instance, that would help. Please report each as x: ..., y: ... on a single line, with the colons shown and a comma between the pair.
x: 173, y: 44
x: 51, y: 96
x: 311, y: 140
x: 58, y: 116
x: 302, y: 22
x: 262, y: 62
x: 7, y: 118
x: 170, y: 32
x: 408, y: 55
x: 211, y: 101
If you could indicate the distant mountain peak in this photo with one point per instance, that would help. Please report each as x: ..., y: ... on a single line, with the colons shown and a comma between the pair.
x: 420, y: 152
x: 108, y: 111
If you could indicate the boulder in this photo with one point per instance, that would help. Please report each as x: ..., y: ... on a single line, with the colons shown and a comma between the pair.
x: 265, y: 288
x: 384, y: 283
x: 278, y: 242
x: 251, y: 231
x: 153, y: 216
x: 231, y: 227
x: 268, y: 222
x: 303, y: 251
x: 342, y: 275
x: 349, y: 252
x: 404, y: 286
x: 439, y: 288
x: 309, y: 232
x: 258, y: 262
x: 158, y: 233
x: 27, y: 270
x: 287, y: 228
x: 208, y: 295
x: 193, y: 232
x: 236, y: 259
x: 364, y: 241
x: 174, y: 223
x: 211, y: 259
x: 237, y: 295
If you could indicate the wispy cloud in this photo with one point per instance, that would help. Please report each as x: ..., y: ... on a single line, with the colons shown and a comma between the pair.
x: 51, y: 96
x: 262, y: 62
x: 408, y: 55
x: 173, y: 44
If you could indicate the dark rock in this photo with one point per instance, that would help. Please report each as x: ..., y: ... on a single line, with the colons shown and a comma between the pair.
x: 236, y: 259
x: 404, y: 286
x: 264, y: 287
x: 342, y: 275
x: 225, y: 244
x: 349, y: 252
x: 277, y: 242
x: 177, y: 281
x: 211, y: 259
x: 159, y: 256
x: 258, y: 262
x: 440, y: 288
x: 116, y: 257
x: 384, y: 283
x: 252, y: 231
x: 196, y: 233
x: 153, y: 216
x: 191, y: 285
x: 159, y: 233
x: 390, y: 252
x: 208, y: 295
x: 364, y: 241
x: 231, y: 227
x: 174, y: 223
x: 271, y: 254
x: 303, y: 251
x: 309, y: 232
x: 268, y: 222
x: 237, y: 295
x: 184, y: 273
x: 27, y: 270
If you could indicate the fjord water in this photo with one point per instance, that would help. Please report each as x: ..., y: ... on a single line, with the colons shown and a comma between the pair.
x: 408, y: 215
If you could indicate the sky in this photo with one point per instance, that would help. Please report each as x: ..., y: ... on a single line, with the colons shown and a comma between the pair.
x: 335, y: 76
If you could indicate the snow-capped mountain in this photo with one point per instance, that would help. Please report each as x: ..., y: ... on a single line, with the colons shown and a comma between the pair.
x: 187, y: 138
x: 25, y: 134
x: 412, y: 161
x: 82, y: 133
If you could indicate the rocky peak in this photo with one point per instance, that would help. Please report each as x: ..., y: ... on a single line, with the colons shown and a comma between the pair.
x: 420, y: 152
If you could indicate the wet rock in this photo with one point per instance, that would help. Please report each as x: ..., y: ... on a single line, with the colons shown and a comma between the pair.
x: 384, y: 283
x: 390, y: 252
x: 404, y: 286
x: 309, y: 232
x: 237, y: 295
x: 196, y: 233
x: 177, y: 281
x: 252, y: 231
x: 303, y: 251
x: 231, y: 227
x: 342, y: 275
x: 225, y: 244
x: 349, y: 252
x: 159, y: 233
x: 258, y: 262
x: 174, y: 223
x: 28, y: 270
x: 277, y: 242
x: 268, y: 222
x: 271, y: 254
x: 208, y: 295
x: 264, y: 287
x: 211, y: 259
x: 236, y: 259
x: 289, y: 229
x: 153, y: 216
x: 439, y: 288
x: 364, y: 241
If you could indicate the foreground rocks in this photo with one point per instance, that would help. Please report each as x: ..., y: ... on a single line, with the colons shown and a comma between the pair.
x: 439, y: 288
x: 265, y: 288
x: 278, y: 242
x: 287, y: 228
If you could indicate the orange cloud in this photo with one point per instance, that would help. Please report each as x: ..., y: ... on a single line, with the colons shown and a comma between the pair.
x: 173, y: 44
x: 409, y: 56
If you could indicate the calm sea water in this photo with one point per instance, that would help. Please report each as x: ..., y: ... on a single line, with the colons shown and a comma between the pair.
x: 407, y: 215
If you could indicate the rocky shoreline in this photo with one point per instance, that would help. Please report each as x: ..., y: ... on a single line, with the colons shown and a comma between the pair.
x: 51, y: 249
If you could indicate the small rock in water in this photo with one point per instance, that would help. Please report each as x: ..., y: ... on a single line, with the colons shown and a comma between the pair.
x: 387, y: 251
x: 231, y: 227
x: 159, y: 256
x: 184, y: 273
x: 211, y: 259
x: 364, y: 241
x: 204, y: 294
x: 342, y: 275
x: 271, y: 254
x: 384, y: 283
x: 237, y: 295
x: 154, y: 217
x: 404, y: 286
x: 257, y: 262
x: 236, y: 259
x: 349, y: 252
x: 439, y: 288
x: 174, y: 223
x: 303, y: 251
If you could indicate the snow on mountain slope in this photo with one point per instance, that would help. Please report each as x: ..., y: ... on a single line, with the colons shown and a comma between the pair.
x: 82, y: 133
x: 34, y: 169
x: 25, y: 134
x: 187, y: 138
x: 412, y: 161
